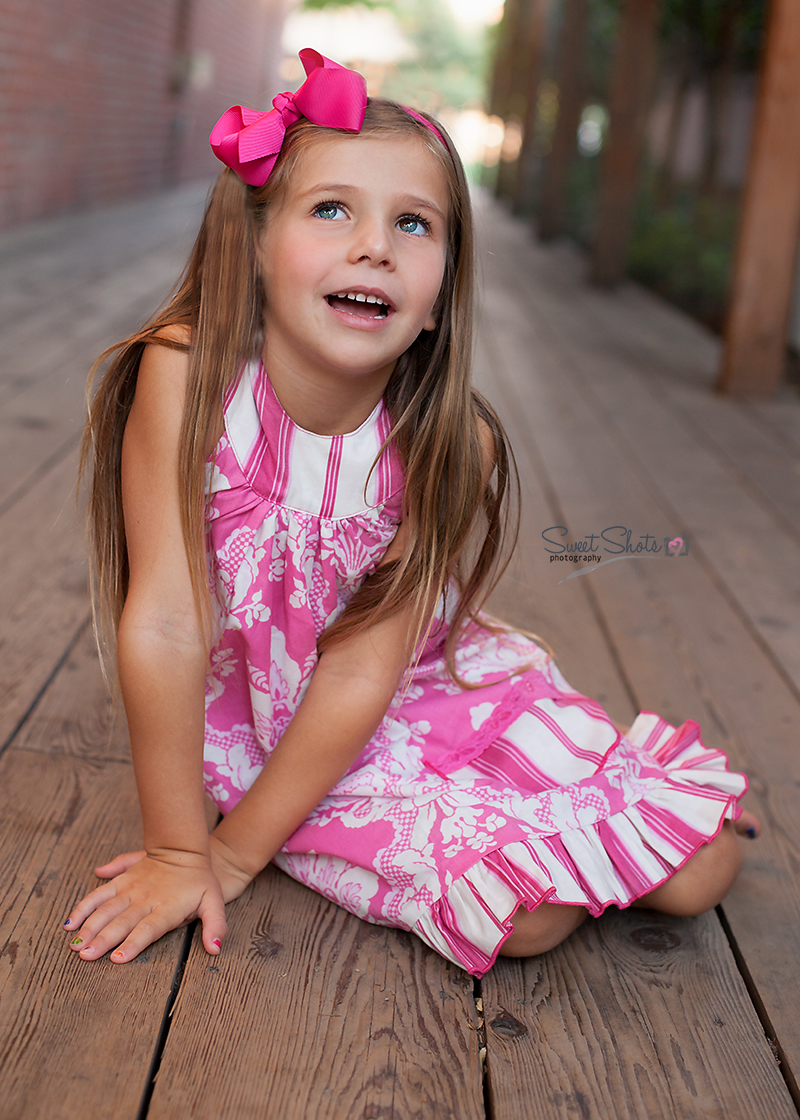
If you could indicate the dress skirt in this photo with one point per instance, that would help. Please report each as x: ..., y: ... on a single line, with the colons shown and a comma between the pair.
x: 558, y: 807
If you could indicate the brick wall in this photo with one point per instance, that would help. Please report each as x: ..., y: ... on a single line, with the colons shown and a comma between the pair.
x: 106, y: 99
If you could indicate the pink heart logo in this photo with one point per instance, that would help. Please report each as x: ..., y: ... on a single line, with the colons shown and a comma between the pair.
x: 675, y: 545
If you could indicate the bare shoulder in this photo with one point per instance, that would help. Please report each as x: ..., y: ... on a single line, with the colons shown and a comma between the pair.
x: 157, y: 407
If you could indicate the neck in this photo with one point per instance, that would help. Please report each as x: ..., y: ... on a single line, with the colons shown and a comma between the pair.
x: 327, y: 404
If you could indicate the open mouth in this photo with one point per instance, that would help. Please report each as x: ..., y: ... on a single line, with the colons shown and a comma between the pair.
x: 359, y: 304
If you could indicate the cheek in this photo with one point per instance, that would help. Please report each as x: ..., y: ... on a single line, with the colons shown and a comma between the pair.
x: 287, y: 266
x: 435, y: 280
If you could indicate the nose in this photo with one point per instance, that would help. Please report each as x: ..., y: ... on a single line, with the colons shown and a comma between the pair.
x: 372, y: 243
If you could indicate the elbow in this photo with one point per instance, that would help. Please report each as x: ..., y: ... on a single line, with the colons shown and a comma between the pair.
x: 155, y: 625
x: 358, y: 680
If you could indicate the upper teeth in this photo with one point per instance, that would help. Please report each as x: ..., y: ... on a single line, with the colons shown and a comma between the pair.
x: 359, y: 297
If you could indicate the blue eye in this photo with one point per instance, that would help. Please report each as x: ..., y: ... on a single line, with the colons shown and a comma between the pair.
x: 330, y: 211
x: 413, y: 223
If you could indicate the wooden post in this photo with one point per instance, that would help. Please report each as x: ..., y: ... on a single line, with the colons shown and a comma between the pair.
x: 503, y: 72
x: 631, y: 81
x: 536, y: 23
x: 507, y: 98
x: 754, y: 350
x: 570, y: 82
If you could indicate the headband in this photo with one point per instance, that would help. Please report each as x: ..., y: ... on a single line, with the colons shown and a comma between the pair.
x: 249, y: 141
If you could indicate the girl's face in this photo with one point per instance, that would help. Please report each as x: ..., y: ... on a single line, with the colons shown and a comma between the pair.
x: 352, y: 260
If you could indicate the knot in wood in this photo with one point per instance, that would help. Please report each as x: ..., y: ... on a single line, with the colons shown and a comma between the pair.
x: 655, y: 939
x: 507, y: 1026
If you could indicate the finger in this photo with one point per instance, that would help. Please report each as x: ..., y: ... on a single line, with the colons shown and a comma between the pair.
x: 146, y: 931
x: 89, y: 904
x: 211, y: 913
x: 118, y: 933
x: 102, y: 917
x: 119, y: 864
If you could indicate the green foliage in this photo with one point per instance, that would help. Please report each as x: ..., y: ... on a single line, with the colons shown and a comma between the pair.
x: 450, y: 67
x: 315, y: 5
x: 704, y: 28
x: 601, y: 35
x: 684, y: 251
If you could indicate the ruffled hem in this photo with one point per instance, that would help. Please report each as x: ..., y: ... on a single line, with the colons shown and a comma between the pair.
x: 609, y: 862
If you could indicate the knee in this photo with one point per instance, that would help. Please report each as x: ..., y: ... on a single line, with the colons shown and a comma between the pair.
x: 702, y: 883
x: 541, y: 929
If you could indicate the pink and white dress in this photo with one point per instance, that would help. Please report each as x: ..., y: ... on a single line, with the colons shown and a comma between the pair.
x: 466, y: 803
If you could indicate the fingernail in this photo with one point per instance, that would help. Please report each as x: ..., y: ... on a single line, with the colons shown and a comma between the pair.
x: 217, y: 942
x: 66, y: 923
x: 751, y: 832
x: 118, y: 953
x: 76, y: 941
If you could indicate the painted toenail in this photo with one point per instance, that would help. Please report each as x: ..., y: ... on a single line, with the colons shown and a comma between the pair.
x: 76, y: 941
x: 751, y: 832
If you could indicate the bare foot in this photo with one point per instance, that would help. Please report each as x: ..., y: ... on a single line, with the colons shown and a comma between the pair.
x: 748, y: 825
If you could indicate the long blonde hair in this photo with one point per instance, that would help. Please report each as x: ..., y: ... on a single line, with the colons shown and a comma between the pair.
x: 458, y: 523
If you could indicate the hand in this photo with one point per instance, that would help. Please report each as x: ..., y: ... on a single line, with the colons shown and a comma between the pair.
x: 233, y: 878
x: 149, y: 895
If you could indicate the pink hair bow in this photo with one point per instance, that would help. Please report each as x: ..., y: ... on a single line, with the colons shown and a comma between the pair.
x: 249, y: 141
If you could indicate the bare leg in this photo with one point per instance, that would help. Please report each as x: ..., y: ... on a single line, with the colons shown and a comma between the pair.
x: 542, y: 929
x: 699, y: 886
x: 702, y: 883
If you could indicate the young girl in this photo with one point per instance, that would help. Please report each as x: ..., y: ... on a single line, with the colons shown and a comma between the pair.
x: 297, y: 505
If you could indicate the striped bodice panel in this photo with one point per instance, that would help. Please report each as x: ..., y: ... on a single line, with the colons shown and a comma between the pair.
x: 328, y: 476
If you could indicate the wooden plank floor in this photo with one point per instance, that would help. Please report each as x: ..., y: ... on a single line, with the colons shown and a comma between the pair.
x: 309, y: 1012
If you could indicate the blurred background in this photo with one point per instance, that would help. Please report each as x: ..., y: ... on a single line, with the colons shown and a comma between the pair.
x: 625, y: 125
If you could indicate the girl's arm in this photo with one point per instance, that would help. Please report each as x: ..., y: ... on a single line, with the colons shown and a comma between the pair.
x: 349, y: 694
x: 162, y: 658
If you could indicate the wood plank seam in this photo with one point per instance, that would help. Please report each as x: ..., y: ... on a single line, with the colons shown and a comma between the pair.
x: 727, y: 462
x: 480, y: 1037
x: 758, y: 418
x: 660, y: 498
x: 47, y: 683
x: 166, y: 1021
x: 760, y: 1009
x: 557, y: 511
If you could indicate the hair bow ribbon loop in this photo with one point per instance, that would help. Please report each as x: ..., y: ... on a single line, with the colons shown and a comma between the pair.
x: 249, y: 141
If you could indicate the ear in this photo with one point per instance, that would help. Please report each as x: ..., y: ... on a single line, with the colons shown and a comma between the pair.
x: 430, y: 322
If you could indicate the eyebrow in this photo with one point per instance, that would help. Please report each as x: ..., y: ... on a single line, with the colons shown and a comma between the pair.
x: 345, y: 188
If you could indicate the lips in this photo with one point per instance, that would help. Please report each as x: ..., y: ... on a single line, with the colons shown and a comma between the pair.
x: 361, y: 305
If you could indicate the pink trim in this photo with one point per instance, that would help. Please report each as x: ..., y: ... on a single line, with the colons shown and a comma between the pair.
x: 283, y: 454
x: 331, y: 477
x: 651, y: 742
x: 261, y: 446
x: 384, y: 468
